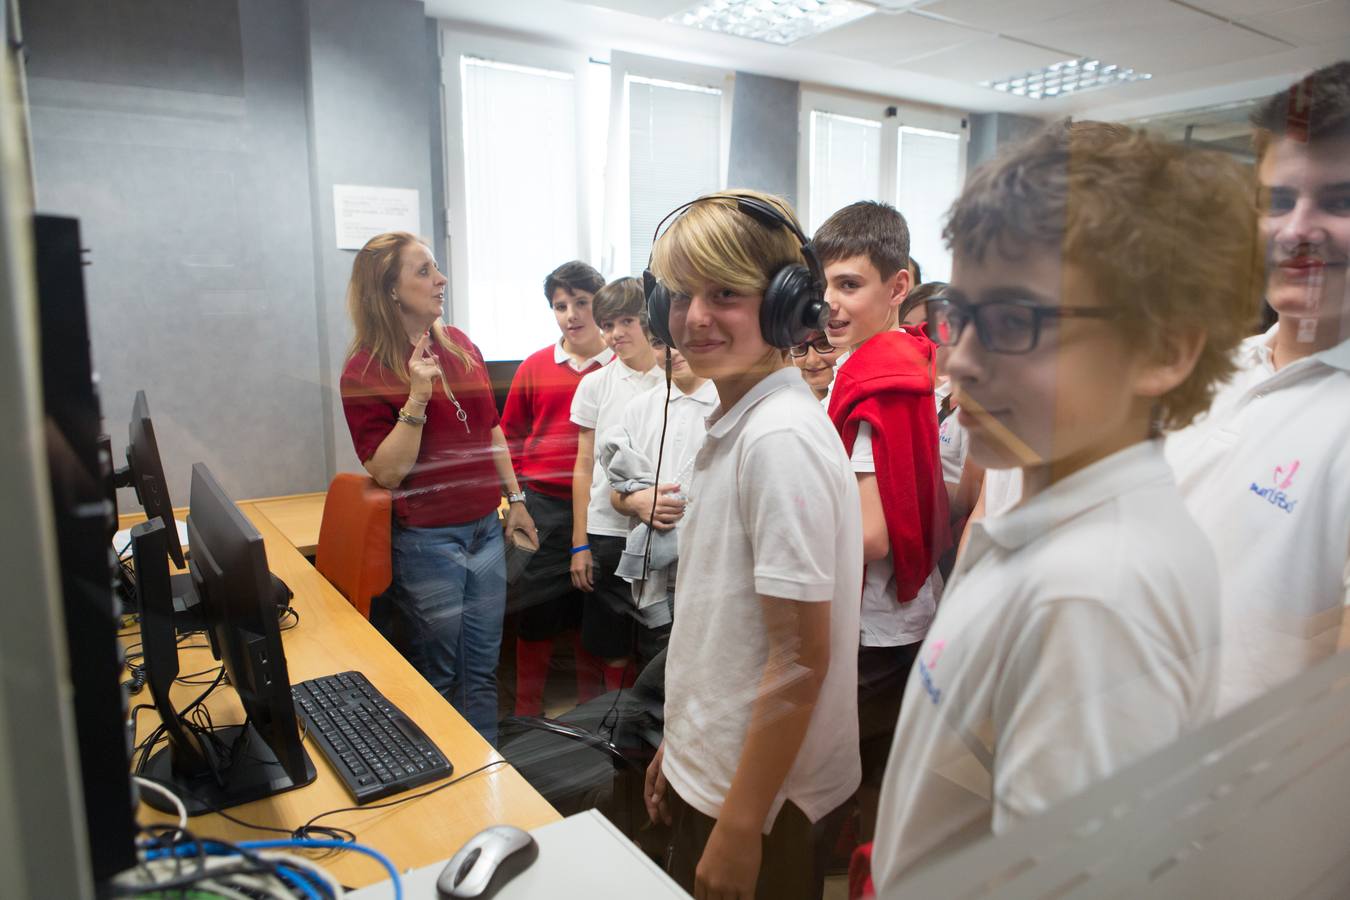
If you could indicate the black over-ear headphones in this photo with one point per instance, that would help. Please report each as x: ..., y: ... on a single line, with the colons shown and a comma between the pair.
x: 794, y: 302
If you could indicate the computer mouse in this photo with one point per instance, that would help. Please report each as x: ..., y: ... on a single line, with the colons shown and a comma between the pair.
x: 487, y: 862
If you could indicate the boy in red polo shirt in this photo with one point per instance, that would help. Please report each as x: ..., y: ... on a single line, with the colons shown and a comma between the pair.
x: 543, y: 441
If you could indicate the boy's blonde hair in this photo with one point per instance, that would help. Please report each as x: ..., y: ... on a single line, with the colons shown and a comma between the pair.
x: 1166, y: 233
x: 714, y: 241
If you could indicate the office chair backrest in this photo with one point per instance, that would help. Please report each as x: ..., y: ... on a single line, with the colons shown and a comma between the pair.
x: 353, y: 549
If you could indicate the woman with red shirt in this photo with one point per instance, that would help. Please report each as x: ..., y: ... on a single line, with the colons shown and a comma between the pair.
x: 419, y: 406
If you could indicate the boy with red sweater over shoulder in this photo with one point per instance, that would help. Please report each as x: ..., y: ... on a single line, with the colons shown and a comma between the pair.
x: 543, y: 441
x: 882, y: 406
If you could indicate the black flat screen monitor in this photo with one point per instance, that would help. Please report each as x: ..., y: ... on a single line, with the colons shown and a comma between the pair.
x: 239, y: 606
x: 147, y: 473
x: 190, y: 756
x: 83, y: 523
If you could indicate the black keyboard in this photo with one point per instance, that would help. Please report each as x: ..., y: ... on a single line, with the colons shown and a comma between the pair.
x: 376, y: 749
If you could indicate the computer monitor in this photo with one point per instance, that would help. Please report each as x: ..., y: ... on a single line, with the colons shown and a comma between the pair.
x: 146, y: 473
x: 189, y: 755
x: 83, y: 524
x: 239, y: 602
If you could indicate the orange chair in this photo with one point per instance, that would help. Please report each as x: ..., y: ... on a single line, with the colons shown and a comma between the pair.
x: 353, y: 548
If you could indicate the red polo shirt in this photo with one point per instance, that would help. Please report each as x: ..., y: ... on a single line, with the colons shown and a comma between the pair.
x: 537, y: 418
x: 454, y: 479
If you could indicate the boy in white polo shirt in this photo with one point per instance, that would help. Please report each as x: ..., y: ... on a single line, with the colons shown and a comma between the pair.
x: 683, y: 419
x: 1078, y: 631
x: 951, y: 436
x: 881, y: 403
x: 1267, y: 472
x: 598, y: 532
x: 760, y: 741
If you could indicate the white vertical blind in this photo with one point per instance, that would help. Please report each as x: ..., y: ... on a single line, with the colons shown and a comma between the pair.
x: 674, y: 148
x: 845, y: 163
x: 521, y: 196
x: 928, y: 179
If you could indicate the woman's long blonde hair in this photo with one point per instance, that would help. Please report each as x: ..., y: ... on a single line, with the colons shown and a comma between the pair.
x: 376, y: 325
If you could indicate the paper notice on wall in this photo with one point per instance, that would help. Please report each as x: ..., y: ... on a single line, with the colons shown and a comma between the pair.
x: 362, y: 212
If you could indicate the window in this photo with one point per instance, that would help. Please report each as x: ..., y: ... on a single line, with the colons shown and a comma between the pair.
x: 674, y: 152
x: 845, y: 163
x: 521, y: 196
x: 928, y: 180
x: 859, y: 148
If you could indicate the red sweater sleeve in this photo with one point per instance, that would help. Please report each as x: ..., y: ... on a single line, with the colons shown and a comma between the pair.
x: 909, y: 478
x: 518, y: 412
x: 888, y: 383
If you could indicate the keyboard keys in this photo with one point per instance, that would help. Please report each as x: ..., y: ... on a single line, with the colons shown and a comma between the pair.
x: 374, y: 747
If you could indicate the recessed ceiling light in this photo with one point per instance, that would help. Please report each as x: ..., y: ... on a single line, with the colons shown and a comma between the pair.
x: 772, y: 21
x: 1066, y: 77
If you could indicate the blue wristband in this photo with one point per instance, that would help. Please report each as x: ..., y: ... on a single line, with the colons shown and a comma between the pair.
x: 583, y: 547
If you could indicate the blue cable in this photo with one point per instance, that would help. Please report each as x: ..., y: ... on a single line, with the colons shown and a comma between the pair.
x: 295, y: 878
x: 292, y: 878
x: 333, y: 845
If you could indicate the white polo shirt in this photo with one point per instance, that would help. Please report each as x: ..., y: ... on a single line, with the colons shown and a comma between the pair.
x: 1002, y: 490
x: 561, y: 356
x: 1266, y: 473
x: 951, y: 438
x: 1076, y: 636
x: 774, y: 512
x: 884, y: 622
x: 600, y: 402
x: 686, y: 428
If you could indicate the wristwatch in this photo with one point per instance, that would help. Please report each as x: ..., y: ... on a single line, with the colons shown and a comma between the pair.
x: 517, y: 497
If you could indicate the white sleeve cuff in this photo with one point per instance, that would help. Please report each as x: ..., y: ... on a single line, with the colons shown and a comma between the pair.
x: 806, y: 592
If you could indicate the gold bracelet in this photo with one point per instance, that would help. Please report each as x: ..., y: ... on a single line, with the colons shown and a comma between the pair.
x: 408, y: 418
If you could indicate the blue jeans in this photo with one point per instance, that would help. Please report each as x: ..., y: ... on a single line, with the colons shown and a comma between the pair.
x: 449, y: 597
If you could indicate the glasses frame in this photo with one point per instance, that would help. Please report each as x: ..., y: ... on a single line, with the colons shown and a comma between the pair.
x: 820, y: 343
x: 976, y: 312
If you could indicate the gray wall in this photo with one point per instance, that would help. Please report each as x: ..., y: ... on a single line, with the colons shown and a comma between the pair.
x: 989, y: 131
x: 764, y: 135
x: 372, y: 89
x: 198, y: 141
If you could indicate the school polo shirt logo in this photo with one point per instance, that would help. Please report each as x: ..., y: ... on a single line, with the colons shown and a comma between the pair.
x: 926, y: 667
x: 1276, y: 493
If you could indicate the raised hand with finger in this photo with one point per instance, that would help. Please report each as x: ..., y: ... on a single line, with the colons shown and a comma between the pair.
x: 423, y: 369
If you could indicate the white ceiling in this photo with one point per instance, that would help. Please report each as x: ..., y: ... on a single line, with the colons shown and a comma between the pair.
x: 1200, y: 52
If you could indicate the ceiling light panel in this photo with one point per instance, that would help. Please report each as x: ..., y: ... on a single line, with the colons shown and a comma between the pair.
x: 772, y: 21
x: 1072, y: 76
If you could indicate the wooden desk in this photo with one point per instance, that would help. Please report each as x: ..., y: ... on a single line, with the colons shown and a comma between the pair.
x: 297, y: 517
x: 333, y: 637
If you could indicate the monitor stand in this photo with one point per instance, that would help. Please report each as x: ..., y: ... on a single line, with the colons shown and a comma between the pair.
x: 187, y: 608
x: 253, y: 774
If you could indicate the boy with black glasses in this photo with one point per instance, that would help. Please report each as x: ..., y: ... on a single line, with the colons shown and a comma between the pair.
x: 1078, y: 631
x: 817, y: 359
